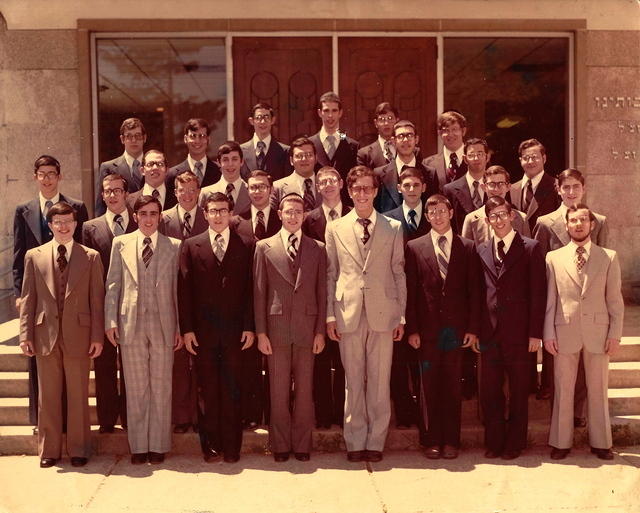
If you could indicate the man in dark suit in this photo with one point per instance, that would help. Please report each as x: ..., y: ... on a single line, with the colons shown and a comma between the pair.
x: 196, y: 137
x: 443, y: 316
x: 381, y: 151
x: 215, y: 294
x: 154, y: 170
x: 465, y: 193
x: 535, y: 194
x: 448, y: 165
x: 406, y: 140
x: 262, y: 151
x: 290, y: 301
x: 30, y: 229
x: 511, y: 328
x: 98, y: 234
x: 231, y: 183
x: 133, y: 137
x: 328, y: 385
x: 181, y: 222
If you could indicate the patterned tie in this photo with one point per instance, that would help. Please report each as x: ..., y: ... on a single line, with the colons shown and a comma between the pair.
x: 199, y: 174
x: 147, y: 252
x: 388, y: 153
x: 260, y: 230
x: 156, y: 194
x: 333, y: 215
x: 501, y: 254
x: 331, y: 141
x: 260, y: 157
x: 219, y: 249
x: 580, y: 259
x: 292, y: 251
x: 47, y: 205
x: 186, y: 226
x: 452, y: 170
x: 229, y: 192
x: 443, y: 261
x: 365, y: 225
x: 412, y: 220
x: 62, y: 259
x: 308, y: 197
x: 527, y: 196
x: 135, y: 173
x: 477, y: 200
x: 118, y: 227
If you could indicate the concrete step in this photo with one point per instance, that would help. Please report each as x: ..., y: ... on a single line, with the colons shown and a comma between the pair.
x: 629, y: 350
x: 624, y: 375
x: 12, y: 359
x: 624, y: 401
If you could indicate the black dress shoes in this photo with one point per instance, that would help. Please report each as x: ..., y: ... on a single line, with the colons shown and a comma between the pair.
x: 302, y: 456
x: 603, y: 454
x: 105, y: 429
x: 231, y: 458
x: 510, y: 455
x: 48, y: 462
x: 449, y: 452
x: 249, y: 424
x: 280, y: 456
x: 77, y: 461
x: 355, y: 456
x: 156, y: 457
x: 579, y: 422
x: 559, y: 454
x: 210, y: 454
x: 433, y: 453
x: 373, y: 456
x: 139, y: 458
x: 491, y: 454
x: 181, y: 428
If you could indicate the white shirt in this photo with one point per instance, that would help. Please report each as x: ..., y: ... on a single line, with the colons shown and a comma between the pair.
x: 325, y: 143
x: 435, y: 236
x: 507, y: 239
x: 534, y: 181
x: 284, y: 235
x: 358, y: 228
x: 298, y: 180
x: 192, y: 164
x: 111, y: 219
x: 182, y: 212
x: 447, y: 156
x: 254, y: 216
x: 418, y: 210
x: 141, y: 236
x: 129, y: 160
x: 236, y: 187
x: 147, y: 190
x: 574, y: 247
x: 400, y: 164
x: 68, y: 245
x: 392, y: 148
x: 44, y: 200
x: 266, y: 141
x: 225, y: 236
x: 326, y: 209
x: 470, y: 180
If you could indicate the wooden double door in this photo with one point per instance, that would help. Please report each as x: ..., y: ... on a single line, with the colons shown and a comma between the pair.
x: 291, y: 73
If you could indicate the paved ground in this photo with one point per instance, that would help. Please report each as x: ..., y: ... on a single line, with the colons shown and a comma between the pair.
x: 405, y: 482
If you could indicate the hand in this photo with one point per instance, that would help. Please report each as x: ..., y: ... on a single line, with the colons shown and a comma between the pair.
x: 470, y: 340
x: 551, y: 346
x: 113, y: 335
x: 534, y: 344
x: 264, y: 344
x: 332, y: 331
x: 18, y: 304
x: 247, y: 338
x: 177, y: 343
x: 95, y: 349
x: 398, y: 331
x: 611, y: 345
x: 27, y: 347
x: 414, y: 340
x: 189, y: 341
x: 318, y: 343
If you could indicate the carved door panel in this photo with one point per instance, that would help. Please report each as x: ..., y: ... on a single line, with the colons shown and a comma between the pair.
x: 289, y: 73
x: 399, y: 70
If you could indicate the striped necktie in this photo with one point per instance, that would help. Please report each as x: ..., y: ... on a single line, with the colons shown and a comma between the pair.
x: 147, y: 252
x: 443, y: 261
x: 292, y: 250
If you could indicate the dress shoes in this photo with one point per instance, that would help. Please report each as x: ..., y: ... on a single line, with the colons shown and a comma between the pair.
x: 559, y: 454
x: 603, y: 454
x: 249, y: 424
x: 48, y: 462
x: 156, y: 457
x: 231, y: 458
x: 139, y: 458
x: 210, y: 454
x: 77, y: 461
x: 181, y: 428
x: 105, y: 429
x: 355, y: 456
x: 433, y: 452
x: 449, y: 452
x: 543, y: 393
x: 579, y: 422
x: 280, y: 457
x: 510, y: 455
x: 373, y: 456
x: 491, y: 454
x: 302, y: 456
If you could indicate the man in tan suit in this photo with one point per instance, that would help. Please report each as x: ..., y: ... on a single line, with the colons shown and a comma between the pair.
x: 584, y: 315
x: 61, y: 323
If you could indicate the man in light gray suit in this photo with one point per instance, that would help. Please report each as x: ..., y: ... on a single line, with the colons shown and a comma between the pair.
x: 141, y: 315
x: 584, y: 315
x: 366, y: 299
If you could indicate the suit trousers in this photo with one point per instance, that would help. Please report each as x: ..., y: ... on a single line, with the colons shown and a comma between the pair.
x: 404, y: 382
x: 580, y: 394
x: 53, y: 371
x: 328, y: 385
x: 255, y: 386
x: 111, y: 403
x: 596, y: 368
x: 291, y: 429
x: 366, y: 358
x: 147, y: 364
x: 184, y: 393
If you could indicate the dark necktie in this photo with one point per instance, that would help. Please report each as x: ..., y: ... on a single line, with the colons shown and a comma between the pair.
x: 527, y: 196
x: 477, y: 200
x: 229, y: 192
x: 331, y: 151
x: 219, y: 249
x: 388, y: 154
x: 147, y: 252
x: 308, y: 198
x: 186, y: 226
x: 580, y: 259
x: 260, y: 229
x: 47, y: 205
x: 501, y: 254
x: 443, y: 261
x: 62, y: 259
x: 333, y: 215
x: 412, y: 220
x: 260, y: 157
x: 365, y: 225
x: 452, y: 171
x: 135, y: 173
x: 118, y: 227
x: 156, y: 194
x: 292, y: 251
x: 198, y: 170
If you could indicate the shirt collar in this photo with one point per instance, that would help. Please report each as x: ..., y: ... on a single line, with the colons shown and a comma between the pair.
x: 226, y: 233
x: 43, y: 200
x: 587, y: 248
x: 382, y: 141
x: 182, y: 211
x: 192, y: 163
x: 418, y: 208
x: 266, y: 141
x: 129, y: 159
x: 68, y: 246
x: 435, y: 236
x: 284, y: 235
x: 236, y: 185
x: 447, y: 155
x: 324, y: 134
x: 326, y: 209
x: 147, y: 189
x: 507, y: 239
x: 470, y: 180
x: 111, y: 218
x: 400, y: 164
x: 534, y: 181
x: 373, y: 217
x: 153, y: 237
x: 254, y: 214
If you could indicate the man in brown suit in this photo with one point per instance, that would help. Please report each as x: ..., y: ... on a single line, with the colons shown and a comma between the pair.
x: 61, y: 323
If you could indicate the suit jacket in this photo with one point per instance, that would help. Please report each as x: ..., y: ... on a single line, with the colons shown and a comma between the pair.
x: 118, y: 165
x: 388, y: 196
x: 457, y: 192
x: 285, y: 186
x: 315, y: 224
x: 377, y: 284
x: 276, y: 162
x: 97, y: 235
x: 171, y: 226
x: 242, y: 202
x: 408, y: 234
x: 514, y: 306
x: 27, y: 233
x: 211, y: 174
x: 169, y: 199
x: 475, y: 226
x: 344, y: 158
x: 82, y: 316
x: 121, y: 300
x: 371, y: 156
x: 290, y: 300
x: 443, y: 312
x: 215, y: 298
x: 583, y: 313
x: 437, y: 171
x: 551, y: 231
x: 545, y: 199
x: 243, y: 226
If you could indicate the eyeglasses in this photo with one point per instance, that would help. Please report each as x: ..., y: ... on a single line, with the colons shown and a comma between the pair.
x: 50, y: 175
x: 60, y: 224
x: 405, y: 137
x: 496, y: 185
x: 134, y: 137
x: 193, y: 136
x: 386, y: 119
x: 303, y: 155
x: 476, y: 156
x: 530, y: 158
x: 154, y: 163
x: 410, y: 186
x: 258, y: 187
x: 291, y: 212
x: 328, y: 181
x: 362, y: 189
x: 262, y: 117
x: 117, y: 191
x: 218, y: 212
x: 504, y: 215
x: 433, y: 212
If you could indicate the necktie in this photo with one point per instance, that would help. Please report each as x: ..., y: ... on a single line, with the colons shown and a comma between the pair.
x: 443, y: 261
x: 118, y: 227
x: 260, y: 156
x: 412, y: 220
x: 528, y: 196
x: 135, y: 173
x: 331, y: 150
x: 501, y: 254
x: 219, y: 247
x: 452, y: 171
x: 47, y: 205
x: 62, y: 259
x: 333, y: 215
x: 477, y: 200
x: 292, y: 251
x: 365, y: 224
x: 260, y: 230
x: 308, y: 197
x: 147, y: 252
x: 388, y: 154
x: 186, y: 226
x: 199, y: 174
x: 156, y: 194
x: 229, y: 192
x: 580, y: 259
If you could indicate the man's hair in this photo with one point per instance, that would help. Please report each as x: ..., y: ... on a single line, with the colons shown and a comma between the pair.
x: 449, y: 117
x: 186, y: 177
x: 195, y: 124
x: 259, y: 173
x: 362, y: 172
x: 329, y: 96
x: 474, y: 141
x: 496, y: 170
x: 411, y: 172
x: 216, y: 197
x: 227, y: 147
x: 328, y: 170
x: 403, y: 123
x: 433, y: 200
x: 146, y: 154
x: 570, y: 173
x: 131, y: 124
x: 46, y: 160
x: 299, y: 142
x: 112, y: 176
x: 144, y: 200
x: 62, y: 208
x: 495, y: 202
x: 530, y: 143
x: 571, y: 209
x: 261, y: 105
x: 385, y: 107
x: 292, y: 196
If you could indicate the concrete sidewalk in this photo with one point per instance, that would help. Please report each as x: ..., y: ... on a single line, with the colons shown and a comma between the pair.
x: 404, y: 482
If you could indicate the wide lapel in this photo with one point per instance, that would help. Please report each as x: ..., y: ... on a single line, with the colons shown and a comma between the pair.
x: 304, y: 254
x: 32, y: 217
x: 205, y: 251
x: 483, y: 231
x: 103, y: 235
x: 464, y: 196
x: 378, y: 238
x: 485, y: 250
x: 78, y: 266
x: 200, y: 224
x: 321, y: 154
x: 595, y: 264
x: 559, y: 227
x: 173, y: 224
x: 44, y: 262
x: 515, y: 194
x: 512, y: 256
x: 344, y: 232
x: 163, y: 252
x: 278, y: 256
x: 130, y: 256
x: 430, y: 257
x: 250, y: 155
x: 243, y: 198
x: 390, y: 181
x: 568, y: 259
x: 441, y: 170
